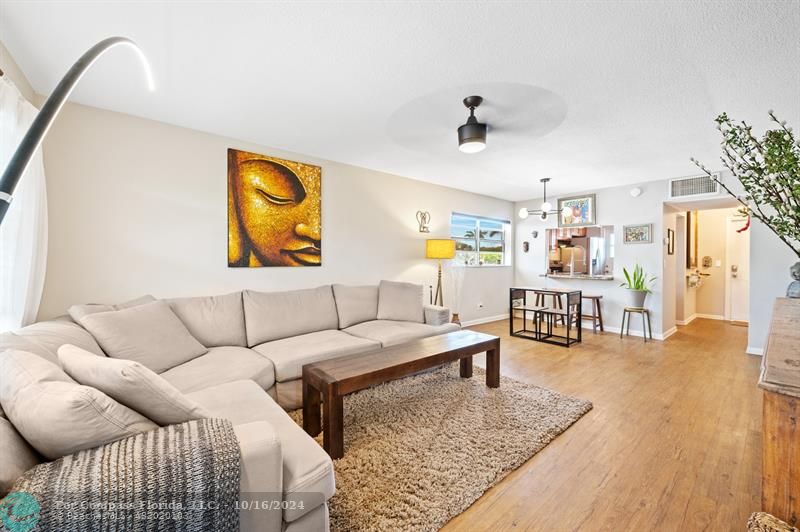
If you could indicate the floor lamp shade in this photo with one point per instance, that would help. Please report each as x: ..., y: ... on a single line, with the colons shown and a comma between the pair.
x: 440, y: 248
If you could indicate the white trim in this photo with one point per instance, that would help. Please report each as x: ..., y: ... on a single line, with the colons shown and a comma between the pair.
x: 754, y: 350
x: 686, y: 321
x: 710, y: 316
x: 669, y: 332
x: 487, y: 319
x: 656, y: 336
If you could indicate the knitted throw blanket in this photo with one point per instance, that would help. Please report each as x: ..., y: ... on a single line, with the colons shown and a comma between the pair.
x: 181, y: 478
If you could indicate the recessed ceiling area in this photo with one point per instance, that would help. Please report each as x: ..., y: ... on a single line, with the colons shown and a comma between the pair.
x: 589, y: 94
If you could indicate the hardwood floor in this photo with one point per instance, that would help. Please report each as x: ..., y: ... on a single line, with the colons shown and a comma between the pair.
x: 673, y: 441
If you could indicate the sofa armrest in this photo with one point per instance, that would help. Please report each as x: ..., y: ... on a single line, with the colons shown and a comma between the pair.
x: 261, y: 479
x: 435, y: 315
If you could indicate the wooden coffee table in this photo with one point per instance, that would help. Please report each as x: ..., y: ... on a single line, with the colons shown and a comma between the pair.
x: 335, y: 378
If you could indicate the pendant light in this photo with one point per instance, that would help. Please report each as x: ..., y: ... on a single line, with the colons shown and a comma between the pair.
x: 545, y: 210
x: 472, y: 135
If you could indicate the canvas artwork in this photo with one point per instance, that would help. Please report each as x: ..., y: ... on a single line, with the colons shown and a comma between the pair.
x: 691, y: 239
x: 578, y: 211
x: 274, y: 211
x: 637, y: 234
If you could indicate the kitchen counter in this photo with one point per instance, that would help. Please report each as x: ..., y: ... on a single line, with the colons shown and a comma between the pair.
x: 585, y: 276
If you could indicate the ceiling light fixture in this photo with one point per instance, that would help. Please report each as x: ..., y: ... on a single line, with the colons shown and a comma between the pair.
x: 472, y: 135
x: 545, y: 210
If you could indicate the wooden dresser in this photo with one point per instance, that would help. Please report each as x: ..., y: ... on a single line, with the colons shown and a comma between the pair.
x: 780, y: 380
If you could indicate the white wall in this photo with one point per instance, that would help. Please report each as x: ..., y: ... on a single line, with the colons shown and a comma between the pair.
x: 770, y: 260
x: 616, y: 207
x: 138, y: 206
x: 12, y: 71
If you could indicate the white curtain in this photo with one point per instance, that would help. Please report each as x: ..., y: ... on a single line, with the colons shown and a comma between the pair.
x: 23, y: 233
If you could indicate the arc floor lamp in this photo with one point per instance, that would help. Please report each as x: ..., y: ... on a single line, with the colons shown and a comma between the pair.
x: 41, y: 124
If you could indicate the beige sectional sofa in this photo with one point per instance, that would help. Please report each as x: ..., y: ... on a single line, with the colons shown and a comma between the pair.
x: 242, y: 360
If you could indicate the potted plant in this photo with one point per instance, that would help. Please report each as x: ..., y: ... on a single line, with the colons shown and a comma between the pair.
x: 769, y: 171
x: 638, y: 285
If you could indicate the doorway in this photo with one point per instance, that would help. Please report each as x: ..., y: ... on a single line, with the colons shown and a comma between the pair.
x: 712, y: 263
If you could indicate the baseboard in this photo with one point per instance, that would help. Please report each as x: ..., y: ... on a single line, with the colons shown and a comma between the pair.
x: 754, y: 350
x: 656, y: 336
x: 687, y: 321
x: 669, y: 332
x: 487, y: 319
x: 710, y: 316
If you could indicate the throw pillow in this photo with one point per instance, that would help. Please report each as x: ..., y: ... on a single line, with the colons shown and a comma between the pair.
x: 132, y: 385
x: 150, y: 334
x: 77, y: 312
x: 400, y: 301
x: 56, y: 415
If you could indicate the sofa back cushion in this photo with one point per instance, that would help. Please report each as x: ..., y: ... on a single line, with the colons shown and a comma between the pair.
x: 275, y: 315
x: 132, y: 385
x: 215, y: 321
x: 355, y: 304
x: 401, y: 301
x: 56, y: 415
x: 150, y: 334
x: 77, y: 312
x: 45, y: 337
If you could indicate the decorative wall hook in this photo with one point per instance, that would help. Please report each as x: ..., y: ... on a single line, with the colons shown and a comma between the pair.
x: 424, y: 219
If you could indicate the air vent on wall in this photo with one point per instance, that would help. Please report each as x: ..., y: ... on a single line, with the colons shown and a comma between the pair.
x: 693, y: 187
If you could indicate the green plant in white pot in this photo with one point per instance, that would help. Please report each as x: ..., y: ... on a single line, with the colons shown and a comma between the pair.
x: 638, y: 284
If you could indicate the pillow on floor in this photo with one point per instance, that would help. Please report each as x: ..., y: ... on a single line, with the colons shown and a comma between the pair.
x: 400, y: 302
x: 150, y: 334
x: 131, y: 384
x: 56, y: 415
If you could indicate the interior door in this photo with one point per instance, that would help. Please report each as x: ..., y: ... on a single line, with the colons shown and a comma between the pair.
x: 737, y: 295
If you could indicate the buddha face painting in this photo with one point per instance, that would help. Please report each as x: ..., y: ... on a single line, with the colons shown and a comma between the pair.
x: 274, y: 211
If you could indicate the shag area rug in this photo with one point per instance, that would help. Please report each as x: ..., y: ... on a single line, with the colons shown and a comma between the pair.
x: 421, y: 450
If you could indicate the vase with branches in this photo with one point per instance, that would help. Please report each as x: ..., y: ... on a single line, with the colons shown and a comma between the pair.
x: 769, y: 172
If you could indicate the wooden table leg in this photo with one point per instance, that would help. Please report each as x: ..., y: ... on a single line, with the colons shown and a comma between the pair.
x: 493, y: 366
x: 332, y: 430
x: 466, y: 367
x: 311, y: 421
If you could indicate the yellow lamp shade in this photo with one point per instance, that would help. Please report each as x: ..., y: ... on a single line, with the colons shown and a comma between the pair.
x: 443, y: 248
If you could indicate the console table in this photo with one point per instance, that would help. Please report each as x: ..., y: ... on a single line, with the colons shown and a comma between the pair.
x: 543, y: 318
x: 780, y: 380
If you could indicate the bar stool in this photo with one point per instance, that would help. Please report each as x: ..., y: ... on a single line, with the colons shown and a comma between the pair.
x: 627, y: 311
x: 556, y: 301
x: 596, y: 316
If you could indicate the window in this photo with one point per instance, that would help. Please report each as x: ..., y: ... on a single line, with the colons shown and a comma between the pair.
x: 479, y: 241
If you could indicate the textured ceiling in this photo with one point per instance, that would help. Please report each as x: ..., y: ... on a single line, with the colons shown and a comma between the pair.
x: 591, y: 94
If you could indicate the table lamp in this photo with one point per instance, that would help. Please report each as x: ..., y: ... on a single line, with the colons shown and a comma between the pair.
x: 440, y: 248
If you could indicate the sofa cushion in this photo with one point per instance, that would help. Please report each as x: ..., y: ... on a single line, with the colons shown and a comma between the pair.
x: 221, y: 365
x: 275, y: 315
x: 214, y: 320
x: 56, y: 415
x: 400, y: 301
x: 150, y: 334
x: 45, y: 337
x: 308, y: 478
x: 17, y: 455
x: 77, y: 312
x: 289, y: 354
x: 132, y: 385
x: 355, y: 304
x: 389, y: 332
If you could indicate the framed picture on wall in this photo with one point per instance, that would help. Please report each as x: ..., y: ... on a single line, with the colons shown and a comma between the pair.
x: 670, y: 242
x: 691, y: 239
x: 637, y: 234
x: 577, y: 211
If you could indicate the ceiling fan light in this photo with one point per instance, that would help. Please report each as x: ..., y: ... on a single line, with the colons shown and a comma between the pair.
x: 472, y: 137
x: 523, y: 213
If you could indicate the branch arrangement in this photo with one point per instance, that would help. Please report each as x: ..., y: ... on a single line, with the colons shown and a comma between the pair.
x: 769, y: 171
